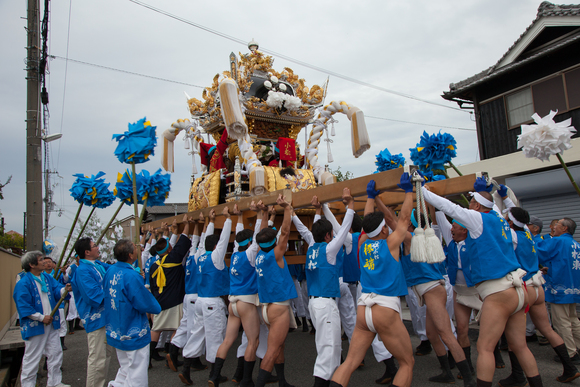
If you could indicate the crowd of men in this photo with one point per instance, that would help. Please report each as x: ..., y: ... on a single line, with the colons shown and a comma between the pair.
x: 498, y: 270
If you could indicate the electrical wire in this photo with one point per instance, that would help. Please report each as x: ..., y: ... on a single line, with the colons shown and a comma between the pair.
x: 67, y: 59
x: 296, y: 61
x: 64, y: 86
x: 418, y: 123
x: 201, y: 87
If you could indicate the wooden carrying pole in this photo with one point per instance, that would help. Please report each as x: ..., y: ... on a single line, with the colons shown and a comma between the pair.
x: 72, y: 249
x: 69, y: 235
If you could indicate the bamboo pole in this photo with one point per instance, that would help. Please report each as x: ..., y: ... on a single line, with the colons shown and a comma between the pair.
x: 78, y: 237
x: 69, y: 235
x: 143, y: 210
x: 568, y: 173
x: 58, y: 303
x: 137, y: 222
x: 455, y: 168
x: 110, y: 222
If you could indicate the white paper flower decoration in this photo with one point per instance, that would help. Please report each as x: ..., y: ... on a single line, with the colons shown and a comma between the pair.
x: 546, y: 138
x: 275, y: 99
x: 292, y: 103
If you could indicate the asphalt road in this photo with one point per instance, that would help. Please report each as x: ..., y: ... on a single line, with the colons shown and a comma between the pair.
x: 300, y: 356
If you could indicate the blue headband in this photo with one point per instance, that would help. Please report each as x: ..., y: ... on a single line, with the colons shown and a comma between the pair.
x: 454, y: 221
x: 413, y: 219
x: 265, y: 245
x: 210, y: 149
x: 244, y: 243
x: 164, y: 250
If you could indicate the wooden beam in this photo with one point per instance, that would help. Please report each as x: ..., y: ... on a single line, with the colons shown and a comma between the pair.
x: 385, y: 181
x: 269, y: 198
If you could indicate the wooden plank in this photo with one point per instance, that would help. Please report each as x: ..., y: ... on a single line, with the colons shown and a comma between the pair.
x: 448, y: 187
x: 12, y: 339
x: 387, y: 180
x: 268, y: 198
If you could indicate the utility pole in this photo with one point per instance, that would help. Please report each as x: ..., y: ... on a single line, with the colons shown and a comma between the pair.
x: 33, y: 135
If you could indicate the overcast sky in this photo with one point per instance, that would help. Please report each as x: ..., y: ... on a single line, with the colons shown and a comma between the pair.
x: 412, y: 47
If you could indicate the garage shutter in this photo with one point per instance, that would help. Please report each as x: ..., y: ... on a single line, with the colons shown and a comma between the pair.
x: 555, y: 207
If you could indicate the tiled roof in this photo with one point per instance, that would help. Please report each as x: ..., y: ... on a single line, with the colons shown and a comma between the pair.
x: 168, y: 208
x: 546, y: 9
x: 457, y: 88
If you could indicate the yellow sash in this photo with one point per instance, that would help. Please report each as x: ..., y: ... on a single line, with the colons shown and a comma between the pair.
x: 161, y: 280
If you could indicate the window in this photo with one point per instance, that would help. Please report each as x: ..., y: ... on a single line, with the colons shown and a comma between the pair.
x: 573, y: 88
x: 520, y: 107
x: 549, y: 95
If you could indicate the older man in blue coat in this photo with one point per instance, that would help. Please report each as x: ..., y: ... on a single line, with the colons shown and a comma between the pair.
x: 36, y: 295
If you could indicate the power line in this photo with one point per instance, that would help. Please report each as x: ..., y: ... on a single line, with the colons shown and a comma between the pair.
x: 418, y: 123
x: 296, y: 61
x: 65, y: 74
x: 124, y: 71
x: 201, y: 87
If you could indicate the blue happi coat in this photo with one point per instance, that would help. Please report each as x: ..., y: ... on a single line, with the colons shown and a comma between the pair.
x: 127, y: 302
x: 87, y: 286
x: 27, y: 299
x: 562, y: 257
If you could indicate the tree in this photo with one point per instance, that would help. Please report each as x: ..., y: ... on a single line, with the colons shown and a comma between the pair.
x: 11, y: 241
x: 1, y: 198
x: 4, y: 185
x: 93, y: 230
x: 341, y: 176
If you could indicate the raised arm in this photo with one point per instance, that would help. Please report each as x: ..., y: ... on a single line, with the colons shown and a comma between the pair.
x: 470, y: 219
x: 391, y: 219
x: 264, y: 212
x: 336, y: 244
x: 239, y: 225
x: 444, y: 226
x: 219, y: 253
x: 303, y: 230
x: 400, y: 232
x: 336, y: 226
x: 318, y: 206
x: 280, y: 248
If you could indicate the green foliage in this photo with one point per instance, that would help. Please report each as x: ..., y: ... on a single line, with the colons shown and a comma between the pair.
x: 11, y: 241
x: 340, y: 176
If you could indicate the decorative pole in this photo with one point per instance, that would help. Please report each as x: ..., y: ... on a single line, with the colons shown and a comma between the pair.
x: 68, y: 237
x: 71, y: 250
x: 109, y: 224
x: 134, y: 147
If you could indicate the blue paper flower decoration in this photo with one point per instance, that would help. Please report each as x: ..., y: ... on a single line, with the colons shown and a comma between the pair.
x: 429, y: 176
x: 92, y: 191
x: 159, y: 187
x: 386, y: 161
x: 124, y: 186
x: 48, y: 246
x: 137, y: 144
x: 432, y: 152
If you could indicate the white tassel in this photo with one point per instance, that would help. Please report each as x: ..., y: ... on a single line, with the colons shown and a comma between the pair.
x: 433, y: 247
x: 332, y: 132
x: 328, y: 141
x: 418, y: 252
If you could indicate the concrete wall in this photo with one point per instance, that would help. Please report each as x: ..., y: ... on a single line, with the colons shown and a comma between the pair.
x: 10, y: 264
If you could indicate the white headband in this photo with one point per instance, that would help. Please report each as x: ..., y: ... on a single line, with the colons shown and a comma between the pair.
x: 515, y: 221
x: 481, y: 200
x: 377, y: 230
